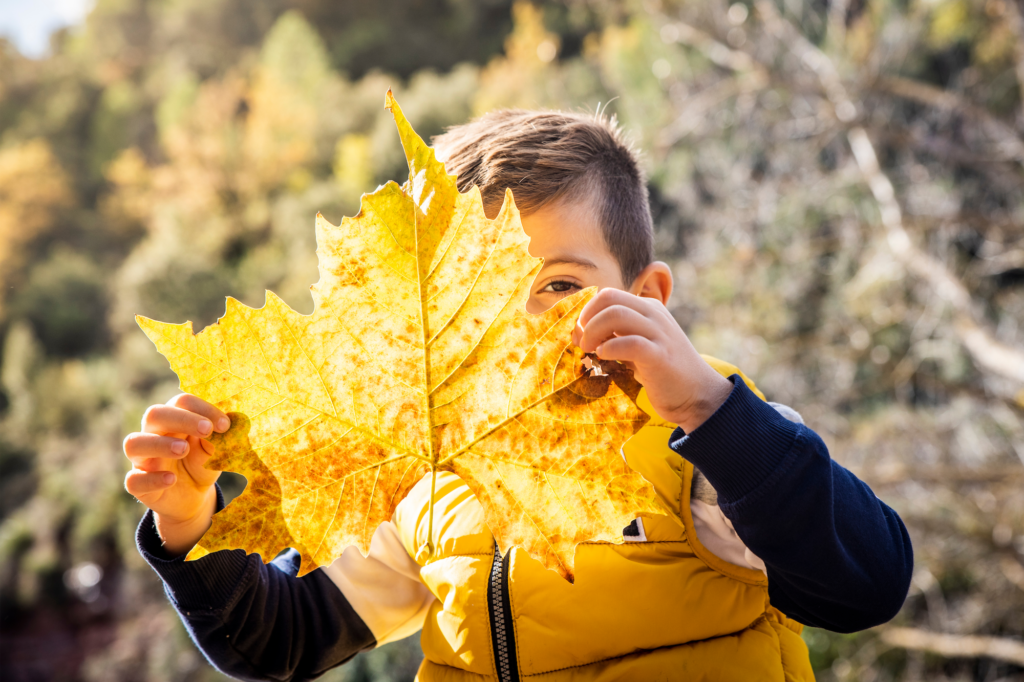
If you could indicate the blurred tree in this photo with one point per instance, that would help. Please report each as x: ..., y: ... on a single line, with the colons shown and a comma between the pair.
x: 434, y: 34
x: 281, y: 106
x: 34, y: 191
x: 65, y: 300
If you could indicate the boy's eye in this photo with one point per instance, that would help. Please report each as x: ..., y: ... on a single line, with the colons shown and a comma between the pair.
x: 561, y: 287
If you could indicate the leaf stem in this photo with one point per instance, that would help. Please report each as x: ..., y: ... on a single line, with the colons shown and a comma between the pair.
x: 430, y: 513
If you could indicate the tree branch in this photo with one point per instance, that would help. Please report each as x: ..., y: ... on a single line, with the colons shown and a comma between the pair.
x: 989, y: 354
x: 751, y: 76
x: 720, y: 54
x: 1013, y: 571
x: 1016, y: 11
x: 955, y: 646
x: 1009, y: 474
x: 1007, y: 138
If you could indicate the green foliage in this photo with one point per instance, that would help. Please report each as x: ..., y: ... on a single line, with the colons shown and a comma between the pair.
x: 294, y: 53
x: 17, y: 482
x: 65, y: 300
x: 175, y: 104
x: 112, y: 121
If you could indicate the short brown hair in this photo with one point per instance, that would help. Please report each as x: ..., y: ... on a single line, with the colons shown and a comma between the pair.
x: 546, y: 156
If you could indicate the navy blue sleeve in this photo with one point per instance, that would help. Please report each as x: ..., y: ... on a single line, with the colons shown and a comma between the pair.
x: 837, y: 557
x: 254, y: 621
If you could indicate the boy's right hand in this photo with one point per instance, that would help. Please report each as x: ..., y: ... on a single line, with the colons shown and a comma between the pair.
x: 167, y: 472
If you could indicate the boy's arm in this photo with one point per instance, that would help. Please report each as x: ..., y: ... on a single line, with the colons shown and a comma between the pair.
x: 251, y: 620
x: 837, y: 557
x: 254, y: 621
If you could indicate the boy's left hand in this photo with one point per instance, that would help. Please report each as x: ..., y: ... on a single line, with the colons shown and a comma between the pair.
x: 641, y: 334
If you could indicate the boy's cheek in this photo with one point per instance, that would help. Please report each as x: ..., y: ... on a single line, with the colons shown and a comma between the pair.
x: 541, y: 303
x: 535, y: 306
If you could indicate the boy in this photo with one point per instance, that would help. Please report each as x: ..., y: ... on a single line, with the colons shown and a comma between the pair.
x: 766, y: 532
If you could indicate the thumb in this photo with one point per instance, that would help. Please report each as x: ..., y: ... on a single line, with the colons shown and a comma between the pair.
x: 195, y: 462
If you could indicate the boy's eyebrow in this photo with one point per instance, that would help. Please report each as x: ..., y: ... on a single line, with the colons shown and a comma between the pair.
x: 570, y: 260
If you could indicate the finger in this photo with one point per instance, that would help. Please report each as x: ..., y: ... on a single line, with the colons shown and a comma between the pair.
x: 139, y: 447
x: 138, y: 482
x: 164, y: 419
x: 208, y: 447
x: 221, y: 422
x: 195, y: 465
x: 607, y: 298
x: 615, y: 321
x: 627, y: 349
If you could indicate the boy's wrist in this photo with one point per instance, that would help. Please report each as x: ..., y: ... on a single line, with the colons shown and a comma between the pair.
x: 179, y: 535
x: 711, y: 396
x: 743, y: 445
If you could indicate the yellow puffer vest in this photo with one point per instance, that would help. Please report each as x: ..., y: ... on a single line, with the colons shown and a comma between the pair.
x: 662, y: 609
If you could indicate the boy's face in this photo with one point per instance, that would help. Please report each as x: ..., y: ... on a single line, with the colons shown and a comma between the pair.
x: 568, y: 237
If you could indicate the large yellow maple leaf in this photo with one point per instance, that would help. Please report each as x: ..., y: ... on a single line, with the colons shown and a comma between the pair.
x: 419, y: 357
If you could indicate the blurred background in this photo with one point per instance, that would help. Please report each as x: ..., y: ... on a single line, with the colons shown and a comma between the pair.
x: 838, y: 186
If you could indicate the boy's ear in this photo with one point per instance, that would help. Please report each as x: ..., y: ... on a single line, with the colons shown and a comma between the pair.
x: 654, y: 281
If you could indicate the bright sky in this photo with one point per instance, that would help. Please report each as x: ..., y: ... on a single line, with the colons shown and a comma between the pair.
x: 28, y: 23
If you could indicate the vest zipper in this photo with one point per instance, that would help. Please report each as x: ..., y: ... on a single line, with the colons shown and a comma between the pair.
x: 503, y: 634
